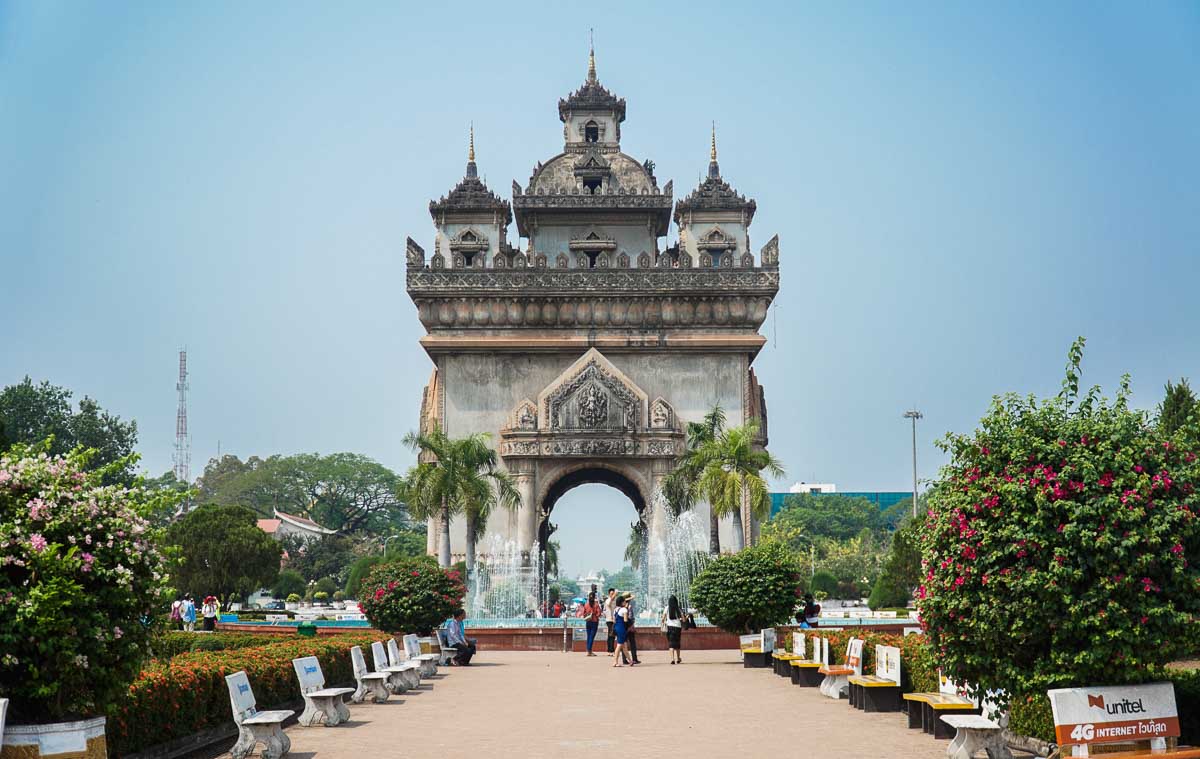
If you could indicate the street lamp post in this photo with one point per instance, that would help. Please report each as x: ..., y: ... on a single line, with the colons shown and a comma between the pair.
x: 812, y: 555
x: 914, y: 415
x: 385, y: 542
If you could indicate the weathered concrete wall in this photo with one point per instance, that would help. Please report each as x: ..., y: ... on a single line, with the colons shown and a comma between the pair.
x: 482, y: 389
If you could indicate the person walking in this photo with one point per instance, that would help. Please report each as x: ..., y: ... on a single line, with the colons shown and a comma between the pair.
x: 187, y: 613
x: 176, y: 619
x: 209, y: 611
x: 620, y: 629
x: 672, y: 625
x: 590, y: 612
x: 631, y: 630
x: 609, y: 607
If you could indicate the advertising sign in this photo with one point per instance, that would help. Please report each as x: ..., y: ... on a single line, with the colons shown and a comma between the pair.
x: 1114, y: 713
x: 750, y: 642
x: 768, y: 640
x: 798, y: 645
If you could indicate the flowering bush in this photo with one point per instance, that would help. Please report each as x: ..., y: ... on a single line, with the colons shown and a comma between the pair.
x: 1062, y: 547
x: 410, y: 595
x: 81, y: 584
x: 179, y: 696
x: 749, y: 590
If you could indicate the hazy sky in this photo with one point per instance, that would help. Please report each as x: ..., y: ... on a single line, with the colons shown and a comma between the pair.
x: 959, y: 191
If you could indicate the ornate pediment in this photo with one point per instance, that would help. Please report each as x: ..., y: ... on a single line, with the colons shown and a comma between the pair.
x: 592, y: 394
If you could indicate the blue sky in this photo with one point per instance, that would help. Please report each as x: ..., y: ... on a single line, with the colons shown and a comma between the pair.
x: 959, y: 190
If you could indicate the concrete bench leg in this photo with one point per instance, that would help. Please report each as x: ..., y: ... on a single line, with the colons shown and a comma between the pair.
x: 275, y: 742
x: 832, y: 686
x: 411, y: 679
x: 914, y: 715
x: 377, y: 687
x: 331, y: 710
x: 397, y: 682
x: 968, y: 741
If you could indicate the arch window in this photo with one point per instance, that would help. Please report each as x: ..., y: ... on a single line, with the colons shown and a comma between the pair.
x: 591, y: 132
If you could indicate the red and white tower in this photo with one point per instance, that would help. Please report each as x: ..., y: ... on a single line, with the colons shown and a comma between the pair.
x: 183, y: 443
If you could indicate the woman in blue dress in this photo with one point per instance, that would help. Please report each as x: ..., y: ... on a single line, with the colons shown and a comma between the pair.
x: 620, y: 629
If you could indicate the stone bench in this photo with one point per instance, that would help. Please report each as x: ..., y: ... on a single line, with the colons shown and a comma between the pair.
x: 255, y: 727
x: 321, y: 704
x: 374, y: 683
x: 757, y: 649
x: 924, y: 709
x: 975, y: 733
x: 410, y: 670
x: 401, y: 677
x: 413, y: 652
x: 446, y: 652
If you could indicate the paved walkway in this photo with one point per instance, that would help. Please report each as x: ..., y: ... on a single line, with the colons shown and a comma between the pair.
x: 546, y: 704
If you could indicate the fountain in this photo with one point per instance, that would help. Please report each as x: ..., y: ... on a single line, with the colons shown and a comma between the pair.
x: 675, y: 558
x: 506, y: 584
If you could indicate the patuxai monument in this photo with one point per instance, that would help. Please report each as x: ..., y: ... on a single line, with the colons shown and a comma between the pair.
x: 585, y: 347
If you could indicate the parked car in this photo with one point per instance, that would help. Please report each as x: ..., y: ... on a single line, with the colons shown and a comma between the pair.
x: 274, y: 606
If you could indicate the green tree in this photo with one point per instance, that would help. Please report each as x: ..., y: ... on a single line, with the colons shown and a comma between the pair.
x: 626, y: 579
x: 456, y: 475
x: 902, y: 571
x: 346, y: 492
x: 324, y: 556
x: 749, y: 590
x: 327, y: 586
x: 681, y: 486
x: 824, y: 582
x: 32, y: 413
x: 1062, y: 545
x: 825, y: 516
x: 288, y: 582
x: 1178, y: 407
x: 223, y: 551
x: 731, y: 480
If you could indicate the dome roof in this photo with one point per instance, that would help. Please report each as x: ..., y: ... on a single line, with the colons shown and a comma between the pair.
x: 562, y: 172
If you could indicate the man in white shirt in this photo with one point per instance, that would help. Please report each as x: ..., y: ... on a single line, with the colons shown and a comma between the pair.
x: 609, y: 606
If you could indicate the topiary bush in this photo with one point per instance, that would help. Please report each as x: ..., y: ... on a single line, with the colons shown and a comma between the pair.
x: 824, y: 582
x: 1062, y: 548
x: 747, y: 591
x: 320, y: 596
x: 293, y: 598
x: 410, y: 595
x: 82, y: 585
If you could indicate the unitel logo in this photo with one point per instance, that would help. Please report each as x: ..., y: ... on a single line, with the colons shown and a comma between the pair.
x: 1124, y: 706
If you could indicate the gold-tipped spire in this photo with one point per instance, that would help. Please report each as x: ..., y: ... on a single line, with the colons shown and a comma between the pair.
x: 591, y: 56
x: 471, y: 149
x: 712, y: 152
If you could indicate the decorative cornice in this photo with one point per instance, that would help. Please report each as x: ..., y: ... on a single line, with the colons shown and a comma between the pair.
x: 621, y: 282
x: 524, y: 444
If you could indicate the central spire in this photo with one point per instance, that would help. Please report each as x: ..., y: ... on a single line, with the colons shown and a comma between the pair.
x: 714, y: 171
x: 591, y: 57
x: 472, y: 171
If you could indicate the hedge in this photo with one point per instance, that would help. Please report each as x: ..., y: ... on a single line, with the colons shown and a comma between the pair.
x: 1027, y: 716
x: 172, y: 644
x: 185, y: 694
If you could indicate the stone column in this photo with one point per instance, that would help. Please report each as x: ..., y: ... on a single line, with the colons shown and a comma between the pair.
x: 527, y: 513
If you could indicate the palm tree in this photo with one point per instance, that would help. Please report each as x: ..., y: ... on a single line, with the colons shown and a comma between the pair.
x: 460, y: 475
x: 680, y: 486
x: 731, y: 481
x: 635, y: 549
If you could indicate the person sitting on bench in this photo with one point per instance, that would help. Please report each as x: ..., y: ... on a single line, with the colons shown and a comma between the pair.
x: 456, y: 636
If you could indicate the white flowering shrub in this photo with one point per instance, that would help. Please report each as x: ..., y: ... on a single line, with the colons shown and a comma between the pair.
x: 82, y: 585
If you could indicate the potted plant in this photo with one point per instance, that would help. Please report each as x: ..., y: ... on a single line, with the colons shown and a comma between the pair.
x: 293, y: 602
x: 339, y: 599
x: 82, y: 589
x: 320, y: 597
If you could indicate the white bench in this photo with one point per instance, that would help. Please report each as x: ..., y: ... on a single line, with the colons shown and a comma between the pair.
x: 975, y: 733
x: 397, y: 682
x: 410, y: 671
x: 412, y: 651
x: 321, y: 704
x: 837, y: 676
x: 255, y: 726
x: 374, y: 683
x: 275, y: 619
x: 356, y: 616
x: 446, y: 652
x: 1089, y: 716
